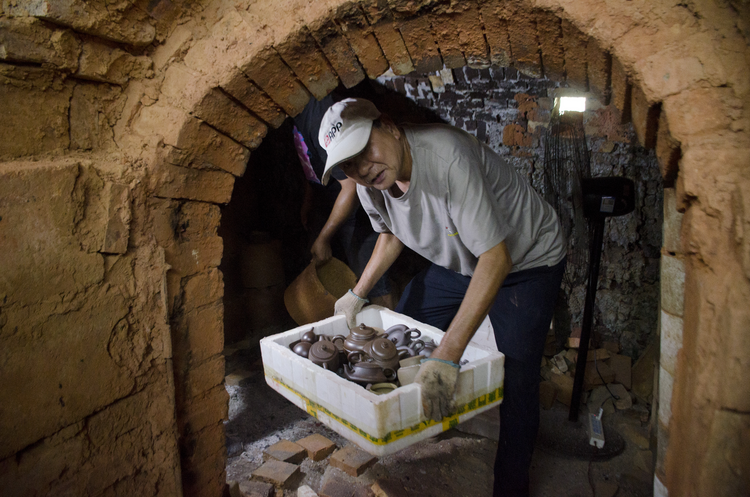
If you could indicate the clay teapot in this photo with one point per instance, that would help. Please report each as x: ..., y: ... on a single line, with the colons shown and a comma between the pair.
x: 384, y: 353
x: 368, y: 372
x: 359, y: 337
x: 414, y: 348
x: 301, y: 348
x: 325, y: 354
x: 429, y: 347
x: 401, y: 335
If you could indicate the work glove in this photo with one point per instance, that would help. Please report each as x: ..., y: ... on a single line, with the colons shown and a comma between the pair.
x: 349, y: 305
x: 438, y: 379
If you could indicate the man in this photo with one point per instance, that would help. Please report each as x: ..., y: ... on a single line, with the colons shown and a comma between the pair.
x: 345, y: 224
x: 495, y: 245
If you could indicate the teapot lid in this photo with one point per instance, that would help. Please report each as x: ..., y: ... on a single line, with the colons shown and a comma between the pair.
x: 363, y: 332
x: 323, y: 351
x: 383, y: 349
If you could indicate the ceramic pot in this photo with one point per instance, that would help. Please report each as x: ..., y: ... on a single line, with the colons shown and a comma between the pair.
x: 309, y: 336
x: 325, y: 354
x: 381, y: 388
x: 359, y: 337
x: 401, y: 335
x: 368, y: 372
x: 383, y: 353
x: 300, y: 348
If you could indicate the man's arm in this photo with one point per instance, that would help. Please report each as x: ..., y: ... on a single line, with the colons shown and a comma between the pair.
x: 345, y: 204
x: 385, y: 253
x: 492, y: 268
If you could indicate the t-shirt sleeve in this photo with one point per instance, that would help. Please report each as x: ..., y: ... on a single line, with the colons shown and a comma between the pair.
x: 473, y: 207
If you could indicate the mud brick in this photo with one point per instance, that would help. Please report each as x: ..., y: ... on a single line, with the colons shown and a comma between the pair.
x: 621, y: 366
x: 598, y: 67
x: 252, y: 97
x: 318, y: 447
x: 547, y: 394
x: 181, y: 182
x: 445, y: 28
x: 621, y: 90
x: 419, y: 40
x: 273, y: 76
x: 301, y: 54
x: 496, y: 31
x: 352, y: 460
x: 597, y: 354
x: 306, y: 491
x: 336, y: 48
x: 550, y: 42
x: 597, y: 373
x: 286, y: 451
x: 362, y: 40
x: 575, y: 43
x: 668, y: 151
x: 257, y: 489
x: 276, y: 472
x: 389, y: 488
x: 523, y: 40
x: 645, y: 118
x: 565, y: 387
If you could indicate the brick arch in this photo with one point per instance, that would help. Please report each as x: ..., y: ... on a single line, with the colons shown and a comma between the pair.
x: 681, y: 74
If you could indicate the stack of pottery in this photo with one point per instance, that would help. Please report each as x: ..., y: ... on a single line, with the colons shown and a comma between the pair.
x: 366, y: 357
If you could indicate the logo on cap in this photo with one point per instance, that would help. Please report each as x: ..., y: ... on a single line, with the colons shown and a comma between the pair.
x: 331, y: 135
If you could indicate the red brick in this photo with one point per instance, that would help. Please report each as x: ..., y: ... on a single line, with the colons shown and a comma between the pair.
x: 598, y: 67
x: 420, y: 42
x: 352, y: 460
x: 277, y: 472
x: 287, y: 451
x: 362, y: 40
x: 574, y: 43
x: 318, y: 447
x: 549, y: 31
x: 179, y: 182
x: 271, y: 74
x: 252, y: 97
x: 471, y: 38
x: 301, y: 54
x: 336, y: 48
x: 496, y: 31
x: 523, y: 40
x: 645, y: 118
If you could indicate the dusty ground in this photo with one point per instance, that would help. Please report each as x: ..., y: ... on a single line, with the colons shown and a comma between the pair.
x: 456, y: 463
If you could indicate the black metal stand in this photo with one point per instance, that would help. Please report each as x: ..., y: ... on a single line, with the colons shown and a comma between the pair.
x: 588, y: 317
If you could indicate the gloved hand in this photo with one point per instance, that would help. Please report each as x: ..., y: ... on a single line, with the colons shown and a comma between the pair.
x: 438, y: 379
x: 349, y: 305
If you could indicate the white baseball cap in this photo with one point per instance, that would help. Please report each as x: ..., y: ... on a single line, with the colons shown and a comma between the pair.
x: 345, y: 131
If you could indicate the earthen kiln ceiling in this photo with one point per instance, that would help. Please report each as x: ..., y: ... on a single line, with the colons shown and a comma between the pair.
x: 194, y: 102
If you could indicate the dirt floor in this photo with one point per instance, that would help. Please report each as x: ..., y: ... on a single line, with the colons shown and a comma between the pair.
x: 456, y: 463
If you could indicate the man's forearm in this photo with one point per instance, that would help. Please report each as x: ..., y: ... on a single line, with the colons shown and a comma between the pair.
x: 345, y: 204
x: 387, y: 250
x: 492, y: 268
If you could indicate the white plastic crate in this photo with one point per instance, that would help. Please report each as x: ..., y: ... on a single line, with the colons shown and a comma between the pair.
x: 379, y: 424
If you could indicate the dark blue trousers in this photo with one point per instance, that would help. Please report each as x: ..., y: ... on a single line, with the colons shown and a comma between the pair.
x: 521, y: 317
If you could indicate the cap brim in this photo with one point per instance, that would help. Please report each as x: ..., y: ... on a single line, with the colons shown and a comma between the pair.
x: 353, y: 145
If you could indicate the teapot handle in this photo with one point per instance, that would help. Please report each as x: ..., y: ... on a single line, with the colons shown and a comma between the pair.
x: 417, y: 346
x: 410, y: 333
x: 338, y: 337
x: 404, y: 352
x: 357, y: 356
x: 395, y: 328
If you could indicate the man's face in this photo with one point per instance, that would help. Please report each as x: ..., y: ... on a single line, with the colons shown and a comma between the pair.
x: 380, y: 164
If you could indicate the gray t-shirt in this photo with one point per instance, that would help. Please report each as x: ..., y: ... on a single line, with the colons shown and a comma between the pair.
x: 463, y: 199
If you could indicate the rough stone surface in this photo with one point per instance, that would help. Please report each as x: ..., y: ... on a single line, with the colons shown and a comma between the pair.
x: 29, y: 40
